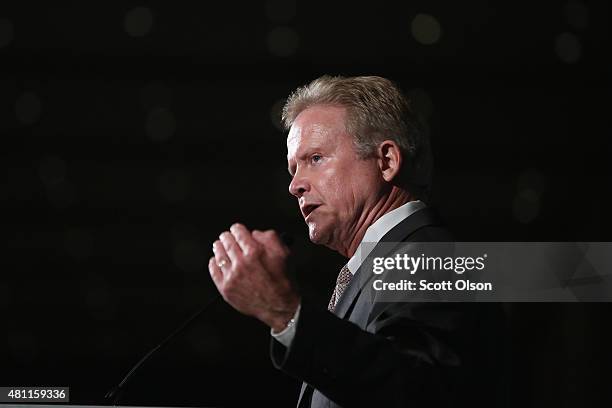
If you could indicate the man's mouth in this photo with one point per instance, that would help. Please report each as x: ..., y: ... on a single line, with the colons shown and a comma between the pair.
x: 308, y: 209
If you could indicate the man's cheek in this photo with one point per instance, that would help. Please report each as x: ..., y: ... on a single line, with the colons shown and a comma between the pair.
x: 337, y: 193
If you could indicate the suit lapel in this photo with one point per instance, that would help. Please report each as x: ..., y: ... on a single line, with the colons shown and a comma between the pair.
x: 399, y: 233
x: 305, y: 393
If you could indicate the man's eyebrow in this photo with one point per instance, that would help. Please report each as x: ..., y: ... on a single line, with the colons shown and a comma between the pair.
x: 300, y: 157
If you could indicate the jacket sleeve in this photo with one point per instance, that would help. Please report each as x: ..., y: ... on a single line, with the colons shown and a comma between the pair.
x: 411, y: 354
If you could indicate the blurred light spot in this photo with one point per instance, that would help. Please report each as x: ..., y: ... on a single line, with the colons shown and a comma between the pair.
x: 28, y: 108
x: 155, y: 94
x: 138, y: 21
x: 160, y: 125
x: 283, y: 41
x: 175, y: 185
x: 52, y: 171
x: 61, y: 195
x: 280, y: 10
x: 526, y: 206
x: 6, y: 32
x: 23, y: 347
x: 421, y: 102
x: 189, y: 256
x: 568, y: 48
x: 276, y: 112
x: 426, y: 29
x: 97, y: 298
x: 577, y: 14
x: 78, y: 243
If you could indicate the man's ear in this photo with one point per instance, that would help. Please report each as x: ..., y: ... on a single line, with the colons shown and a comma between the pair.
x: 389, y: 159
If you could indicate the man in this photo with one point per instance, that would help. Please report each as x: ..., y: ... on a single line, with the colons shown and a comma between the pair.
x: 360, y: 165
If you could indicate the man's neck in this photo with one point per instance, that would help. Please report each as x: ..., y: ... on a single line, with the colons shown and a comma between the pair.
x: 389, y: 202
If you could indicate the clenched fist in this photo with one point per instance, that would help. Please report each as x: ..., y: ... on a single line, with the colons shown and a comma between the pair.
x: 249, y: 269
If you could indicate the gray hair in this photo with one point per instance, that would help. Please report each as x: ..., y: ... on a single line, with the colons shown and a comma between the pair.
x: 376, y: 111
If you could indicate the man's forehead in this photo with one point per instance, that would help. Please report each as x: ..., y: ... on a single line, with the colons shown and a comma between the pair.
x: 319, y: 125
x: 315, y: 136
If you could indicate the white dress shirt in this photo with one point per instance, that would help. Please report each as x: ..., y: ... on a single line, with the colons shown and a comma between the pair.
x: 373, y: 234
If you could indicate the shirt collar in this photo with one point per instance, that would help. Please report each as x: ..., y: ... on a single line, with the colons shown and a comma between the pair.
x: 376, y: 231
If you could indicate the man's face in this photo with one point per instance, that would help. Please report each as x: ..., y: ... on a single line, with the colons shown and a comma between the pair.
x: 333, y: 185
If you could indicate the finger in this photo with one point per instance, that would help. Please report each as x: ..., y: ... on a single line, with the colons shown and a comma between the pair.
x: 232, y: 249
x: 258, y: 236
x: 244, y: 238
x: 215, y: 272
x: 273, y: 246
x: 261, y: 237
x: 222, y: 260
x: 274, y: 242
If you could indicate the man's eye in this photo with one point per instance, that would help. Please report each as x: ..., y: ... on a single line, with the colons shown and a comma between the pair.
x: 316, y: 158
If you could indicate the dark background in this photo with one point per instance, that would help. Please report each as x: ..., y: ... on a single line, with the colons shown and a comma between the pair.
x: 134, y: 133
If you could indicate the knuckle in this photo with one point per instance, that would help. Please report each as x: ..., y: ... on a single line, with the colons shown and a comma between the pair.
x: 230, y: 287
x: 271, y: 235
x: 211, y: 266
x: 254, y: 251
x: 237, y: 266
x: 250, y: 255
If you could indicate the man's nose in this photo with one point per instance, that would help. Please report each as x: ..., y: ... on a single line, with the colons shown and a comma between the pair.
x: 298, y: 186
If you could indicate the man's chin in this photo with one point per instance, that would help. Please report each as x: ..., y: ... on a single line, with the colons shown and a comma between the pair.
x: 318, y: 235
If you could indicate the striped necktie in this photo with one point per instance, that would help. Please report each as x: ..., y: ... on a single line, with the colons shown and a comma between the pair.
x: 344, y: 277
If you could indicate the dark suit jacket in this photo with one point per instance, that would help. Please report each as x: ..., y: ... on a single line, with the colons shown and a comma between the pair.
x: 408, y: 354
